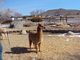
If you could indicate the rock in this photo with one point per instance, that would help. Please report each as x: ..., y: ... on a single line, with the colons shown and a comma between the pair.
x: 70, y: 33
x: 23, y: 32
x: 16, y: 24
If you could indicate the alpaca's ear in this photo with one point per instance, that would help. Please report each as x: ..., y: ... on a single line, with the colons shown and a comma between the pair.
x: 39, y: 24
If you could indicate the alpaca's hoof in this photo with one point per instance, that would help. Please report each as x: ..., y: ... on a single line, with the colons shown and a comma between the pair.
x: 2, y: 39
x: 36, y: 52
x: 39, y: 51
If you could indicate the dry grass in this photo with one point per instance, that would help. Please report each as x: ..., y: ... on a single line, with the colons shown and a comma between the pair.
x: 54, y: 48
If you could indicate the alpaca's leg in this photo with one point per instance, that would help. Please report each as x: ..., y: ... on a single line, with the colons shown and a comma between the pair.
x: 30, y: 43
x: 36, y: 47
x: 6, y: 35
x: 2, y: 36
x: 39, y: 45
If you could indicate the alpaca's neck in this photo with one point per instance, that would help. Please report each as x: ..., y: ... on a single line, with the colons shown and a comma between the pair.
x: 39, y: 31
x: 39, y: 34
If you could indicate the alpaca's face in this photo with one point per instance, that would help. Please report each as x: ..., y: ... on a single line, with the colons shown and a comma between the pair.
x: 41, y: 26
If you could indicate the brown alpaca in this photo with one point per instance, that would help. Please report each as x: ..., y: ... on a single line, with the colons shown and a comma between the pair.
x: 36, y: 37
x: 3, y: 33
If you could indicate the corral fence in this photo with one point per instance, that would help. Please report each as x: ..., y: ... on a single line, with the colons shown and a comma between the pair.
x: 69, y: 20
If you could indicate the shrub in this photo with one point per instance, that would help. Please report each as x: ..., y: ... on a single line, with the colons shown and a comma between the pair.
x: 36, y: 19
x: 7, y: 21
x: 28, y: 25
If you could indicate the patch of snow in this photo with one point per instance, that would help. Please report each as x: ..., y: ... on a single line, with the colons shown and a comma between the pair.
x: 75, y: 35
x: 5, y: 26
x: 62, y: 34
x: 34, y: 59
x: 67, y: 39
x: 53, y: 25
x: 78, y: 35
x: 49, y: 35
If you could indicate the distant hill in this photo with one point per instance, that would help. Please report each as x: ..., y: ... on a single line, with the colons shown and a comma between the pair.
x: 60, y: 12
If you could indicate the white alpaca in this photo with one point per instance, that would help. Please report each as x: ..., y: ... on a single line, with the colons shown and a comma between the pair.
x: 3, y: 33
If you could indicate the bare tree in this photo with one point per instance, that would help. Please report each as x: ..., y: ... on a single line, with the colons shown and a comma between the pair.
x: 36, y: 12
x: 5, y: 14
x: 17, y: 14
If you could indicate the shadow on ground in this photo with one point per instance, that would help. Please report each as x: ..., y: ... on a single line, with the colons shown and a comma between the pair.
x: 20, y: 50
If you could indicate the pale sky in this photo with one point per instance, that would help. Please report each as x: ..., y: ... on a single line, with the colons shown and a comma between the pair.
x: 26, y: 6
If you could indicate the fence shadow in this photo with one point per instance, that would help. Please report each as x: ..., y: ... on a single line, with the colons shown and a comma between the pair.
x: 20, y: 50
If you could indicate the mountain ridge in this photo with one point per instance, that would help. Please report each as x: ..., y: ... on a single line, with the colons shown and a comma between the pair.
x: 61, y: 12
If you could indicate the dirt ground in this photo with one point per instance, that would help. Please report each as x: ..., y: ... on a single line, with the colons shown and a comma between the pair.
x: 53, y: 47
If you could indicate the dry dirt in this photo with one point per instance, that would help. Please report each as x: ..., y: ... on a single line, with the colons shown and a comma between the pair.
x: 53, y: 47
